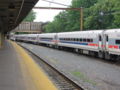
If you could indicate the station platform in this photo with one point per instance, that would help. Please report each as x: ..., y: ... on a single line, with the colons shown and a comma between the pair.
x: 18, y: 71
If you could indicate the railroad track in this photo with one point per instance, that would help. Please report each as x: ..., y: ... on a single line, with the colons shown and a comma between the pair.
x: 58, y: 78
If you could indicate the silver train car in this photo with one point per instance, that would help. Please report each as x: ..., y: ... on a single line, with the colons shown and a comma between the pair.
x: 101, y: 43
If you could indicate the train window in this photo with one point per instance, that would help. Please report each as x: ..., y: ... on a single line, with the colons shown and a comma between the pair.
x: 106, y: 38
x: 80, y: 39
x: 91, y: 40
x: 73, y: 39
x: 100, y: 38
x: 117, y: 41
x: 77, y: 39
x: 84, y: 40
x: 69, y: 39
x: 88, y: 40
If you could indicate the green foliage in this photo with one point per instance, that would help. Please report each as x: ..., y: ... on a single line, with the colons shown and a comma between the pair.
x: 98, y: 14
x: 30, y: 17
x: 101, y: 16
x: 83, y: 77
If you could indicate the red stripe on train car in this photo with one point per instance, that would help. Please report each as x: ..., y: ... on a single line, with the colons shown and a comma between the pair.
x: 102, y: 46
x: 92, y: 44
x: 113, y: 46
x: 55, y: 41
x: 110, y: 46
x: 116, y: 47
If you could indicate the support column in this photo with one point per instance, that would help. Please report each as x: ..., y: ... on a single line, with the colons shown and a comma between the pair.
x: 81, y: 18
x: 1, y: 40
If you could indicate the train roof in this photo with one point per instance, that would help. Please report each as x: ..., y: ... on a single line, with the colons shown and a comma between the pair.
x: 82, y: 32
x: 46, y: 33
x: 112, y: 31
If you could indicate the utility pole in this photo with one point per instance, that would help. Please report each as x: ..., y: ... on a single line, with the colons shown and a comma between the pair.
x: 81, y: 18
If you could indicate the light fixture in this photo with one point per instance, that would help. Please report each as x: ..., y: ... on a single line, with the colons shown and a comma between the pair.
x: 11, y: 7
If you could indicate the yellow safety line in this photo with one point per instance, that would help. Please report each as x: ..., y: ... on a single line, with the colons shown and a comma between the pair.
x: 39, y: 78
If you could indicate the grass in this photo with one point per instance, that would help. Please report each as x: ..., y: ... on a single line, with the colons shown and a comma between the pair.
x: 83, y: 77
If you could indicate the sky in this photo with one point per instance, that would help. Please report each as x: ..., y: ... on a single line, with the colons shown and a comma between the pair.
x: 43, y: 15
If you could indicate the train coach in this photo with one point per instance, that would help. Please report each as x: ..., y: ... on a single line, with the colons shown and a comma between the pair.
x: 102, y: 43
x: 86, y: 42
x: 48, y: 39
x: 110, y: 40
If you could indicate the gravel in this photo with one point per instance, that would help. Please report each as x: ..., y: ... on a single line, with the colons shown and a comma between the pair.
x: 89, y: 72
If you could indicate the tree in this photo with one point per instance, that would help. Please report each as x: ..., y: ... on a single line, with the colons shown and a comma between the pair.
x: 103, y: 15
x: 30, y: 17
x: 98, y: 14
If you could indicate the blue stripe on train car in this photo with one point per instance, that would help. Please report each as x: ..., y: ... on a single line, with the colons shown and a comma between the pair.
x: 74, y: 43
x: 46, y: 40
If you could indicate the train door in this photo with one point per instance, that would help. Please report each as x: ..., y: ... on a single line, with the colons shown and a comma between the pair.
x: 37, y: 39
x: 106, y: 42
x: 106, y: 49
x: 101, y: 46
x: 100, y: 42
x: 55, y: 38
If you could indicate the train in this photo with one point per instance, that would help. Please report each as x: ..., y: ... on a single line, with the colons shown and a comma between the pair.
x: 99, y: 43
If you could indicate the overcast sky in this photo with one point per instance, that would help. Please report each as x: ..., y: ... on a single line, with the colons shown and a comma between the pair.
x: 43, y: 15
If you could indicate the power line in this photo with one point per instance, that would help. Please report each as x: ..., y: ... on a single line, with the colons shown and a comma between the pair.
x: 55, y: 2
x: 58, y: 8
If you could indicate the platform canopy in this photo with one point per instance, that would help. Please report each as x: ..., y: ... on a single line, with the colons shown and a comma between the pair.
x: 12, y: 12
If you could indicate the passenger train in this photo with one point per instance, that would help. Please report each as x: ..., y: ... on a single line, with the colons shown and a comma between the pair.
x: 101, y: 43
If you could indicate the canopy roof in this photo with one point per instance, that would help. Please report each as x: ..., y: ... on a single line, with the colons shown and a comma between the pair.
x: 12, y: 12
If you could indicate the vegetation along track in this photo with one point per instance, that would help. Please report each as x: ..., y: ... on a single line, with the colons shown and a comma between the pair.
x: 60, y: 80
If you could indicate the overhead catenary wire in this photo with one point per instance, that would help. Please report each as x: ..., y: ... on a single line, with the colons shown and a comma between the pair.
x: 55, y: 2
x: 20, y: 11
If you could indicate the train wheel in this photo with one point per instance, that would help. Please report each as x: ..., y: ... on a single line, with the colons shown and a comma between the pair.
x: 59, y: 47
x: 91, y: 53
x: 76, y: 50
x: 118, y: 58
x: 100, y: 54
x: 107, y: 56
x: 80, y: 51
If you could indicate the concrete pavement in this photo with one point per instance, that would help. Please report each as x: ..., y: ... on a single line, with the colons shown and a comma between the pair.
x: 18, y: 71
